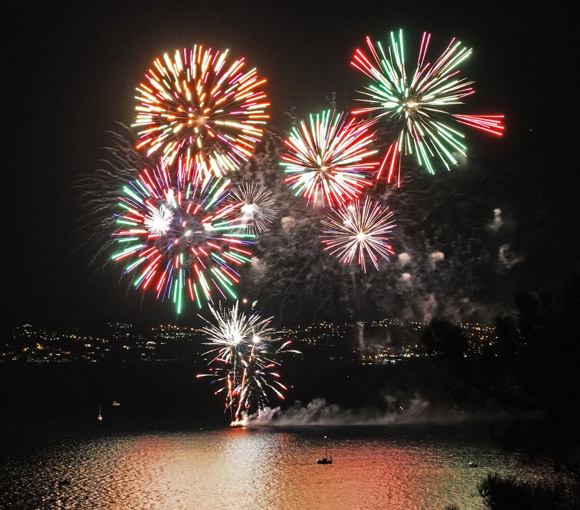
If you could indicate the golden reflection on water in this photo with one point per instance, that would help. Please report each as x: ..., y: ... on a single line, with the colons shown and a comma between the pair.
x: 254, y: 469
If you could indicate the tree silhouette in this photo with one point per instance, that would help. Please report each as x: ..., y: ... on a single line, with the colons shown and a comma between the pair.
x: 530, y: 371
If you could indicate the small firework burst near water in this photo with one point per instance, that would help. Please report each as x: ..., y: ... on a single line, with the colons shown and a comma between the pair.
x: 203, y: 105
x: 257, y: 209
x: 180, y: 239
x: 244, y: 351
x: 359, y: 230
x: 327, y: 161
x: 419, y: 105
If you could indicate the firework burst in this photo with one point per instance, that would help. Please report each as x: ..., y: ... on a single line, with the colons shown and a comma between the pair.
x: 243, y: 351
x: 360, y: 231
x: 419, y: 104
x: 202, y: 105
x: 257, y: 209
x: 179, y: 238
x: 327, y: 160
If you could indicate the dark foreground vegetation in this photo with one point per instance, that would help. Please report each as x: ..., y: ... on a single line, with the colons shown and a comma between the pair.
x: 532, y: 373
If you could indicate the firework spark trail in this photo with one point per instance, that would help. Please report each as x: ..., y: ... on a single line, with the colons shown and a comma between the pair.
x: 99, y: 190
x: 361, y: 231
x: 179, y: 238
x: 418, y: 104
x: 243, y: 350
x: 327, y: 158
x: 258, y: 207
x: 204, y: 106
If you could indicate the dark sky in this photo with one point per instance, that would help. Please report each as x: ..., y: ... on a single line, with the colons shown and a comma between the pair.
x: 72, y: 71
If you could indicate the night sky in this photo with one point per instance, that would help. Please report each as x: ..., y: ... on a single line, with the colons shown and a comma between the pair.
x: 72, y: 71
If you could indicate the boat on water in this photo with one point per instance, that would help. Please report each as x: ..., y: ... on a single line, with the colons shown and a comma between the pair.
x: 326, y: 459
x: 116, y: 404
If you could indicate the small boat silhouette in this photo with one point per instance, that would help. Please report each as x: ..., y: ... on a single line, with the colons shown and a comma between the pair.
x: 326, y: 459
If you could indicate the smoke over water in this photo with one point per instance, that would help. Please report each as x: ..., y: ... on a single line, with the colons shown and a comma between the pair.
x: 320, y: 413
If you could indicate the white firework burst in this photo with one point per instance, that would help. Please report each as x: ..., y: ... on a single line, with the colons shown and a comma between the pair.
x: 243, y: 347
x: 258, y: 209
x: 361, y: 231
x: 158, y: 220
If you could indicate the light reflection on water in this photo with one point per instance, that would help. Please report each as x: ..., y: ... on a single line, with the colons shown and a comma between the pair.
x: 421, y: 468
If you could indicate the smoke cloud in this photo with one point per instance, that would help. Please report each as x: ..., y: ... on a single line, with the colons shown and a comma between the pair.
x: 404, y: 258
x: 258, y: 267
x: 497, y: 222
x: 507, y: 258
x: 319, y: 412
x: 288, y: 223
x: 436, y: 256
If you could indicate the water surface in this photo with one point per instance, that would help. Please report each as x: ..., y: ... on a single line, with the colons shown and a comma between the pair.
x: 395, y: 467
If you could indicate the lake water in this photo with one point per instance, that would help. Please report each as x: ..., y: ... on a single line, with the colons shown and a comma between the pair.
x: 388, y: 467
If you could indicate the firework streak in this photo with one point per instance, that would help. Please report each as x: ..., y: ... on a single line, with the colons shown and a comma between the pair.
x: 258, y: 207
x: 361, y: 231
x: 179, y: 238
x: 326, y: 158
x: 243, y: 352
x: 202, y: 105
x: 418, y: 104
